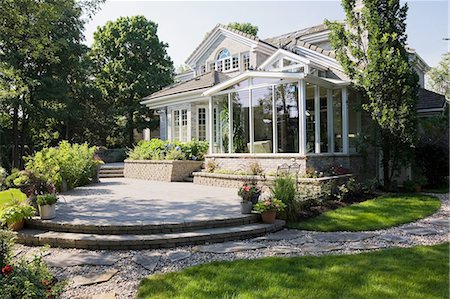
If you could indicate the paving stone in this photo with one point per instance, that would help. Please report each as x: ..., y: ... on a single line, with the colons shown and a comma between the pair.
x: 365, y: 246
x: 299, y: 242
x: 149, y: 261
x: 393, y: 238
x: 439, y: 222
x: 420, y: 231
x: 228, y: 247
x: 178, y: 255
x: 84, y: 280
x: 320, y: 247
x: 282, y: 235
x: 109, y: 295
x: 342, y: 236
x: 68, y: 259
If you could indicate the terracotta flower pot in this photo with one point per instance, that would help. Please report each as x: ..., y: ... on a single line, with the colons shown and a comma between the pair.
x: 268, y: 217
x: 246, y: 207
x: 418, y: 188
x: 17, y: 225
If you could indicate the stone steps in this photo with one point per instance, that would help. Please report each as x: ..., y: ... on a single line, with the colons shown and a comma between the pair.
x: 145, y: 241
x: 111, y: 172
x: 141, y: 228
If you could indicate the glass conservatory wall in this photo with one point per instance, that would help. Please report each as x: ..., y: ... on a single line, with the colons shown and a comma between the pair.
x: 323, y: 120
x: 287, y: 111
x: 262, y: 119
x: 241, y: 121
x: 220, y: 124
x: 337, y: 120
x: 310, y: 118
x: 354, y: 122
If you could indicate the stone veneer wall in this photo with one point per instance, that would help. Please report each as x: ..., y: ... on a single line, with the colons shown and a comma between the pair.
x: 270, y: 163
x: 308, y: 185
x: 160, y: 170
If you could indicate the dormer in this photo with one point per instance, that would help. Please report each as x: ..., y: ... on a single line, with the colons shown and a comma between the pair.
x: 229, y: 51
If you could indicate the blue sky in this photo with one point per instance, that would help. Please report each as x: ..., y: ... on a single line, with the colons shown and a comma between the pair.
x: 183, y: 24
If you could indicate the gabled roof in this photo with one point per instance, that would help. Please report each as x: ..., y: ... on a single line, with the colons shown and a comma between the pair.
x: 220, y: 27
x: 430, y: 100
x: 206, y: 80
x: 282, y: 40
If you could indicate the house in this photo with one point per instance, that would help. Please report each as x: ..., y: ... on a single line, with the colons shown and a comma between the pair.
x: 280, y: 100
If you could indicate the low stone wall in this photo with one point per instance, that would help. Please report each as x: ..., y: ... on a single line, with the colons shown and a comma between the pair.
x: 307, y: 185
x: 160, y: 170
x: 270, y: 162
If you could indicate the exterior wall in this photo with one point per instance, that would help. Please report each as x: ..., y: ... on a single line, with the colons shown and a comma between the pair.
x: 270, y: 163
x: 307, y: 186
x: 160, y: 170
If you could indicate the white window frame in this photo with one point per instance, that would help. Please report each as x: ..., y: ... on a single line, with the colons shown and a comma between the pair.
x: 206, y: 122
x: 180, y: 128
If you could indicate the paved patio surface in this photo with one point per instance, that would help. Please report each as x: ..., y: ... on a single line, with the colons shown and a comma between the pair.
x: 129, y: 201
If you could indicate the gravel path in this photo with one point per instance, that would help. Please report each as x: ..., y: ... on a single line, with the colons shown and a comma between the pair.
x: 429, y: 231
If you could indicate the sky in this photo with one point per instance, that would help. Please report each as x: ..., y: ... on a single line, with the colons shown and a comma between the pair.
x: 183, y: 24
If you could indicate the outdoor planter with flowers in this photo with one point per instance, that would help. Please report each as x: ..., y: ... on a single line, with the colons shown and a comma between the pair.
x: 268, y: 206
x: 249, y: 192
x: 158, y: 160
x: 14, y: 210
x: 47, y: 206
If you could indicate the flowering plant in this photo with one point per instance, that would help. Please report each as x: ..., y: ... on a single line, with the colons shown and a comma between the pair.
x: 268, y: 203
x: 248, y: 190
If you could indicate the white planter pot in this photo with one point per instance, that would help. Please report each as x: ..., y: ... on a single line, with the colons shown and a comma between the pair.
x: 246, y: 207
x: 47, y: 212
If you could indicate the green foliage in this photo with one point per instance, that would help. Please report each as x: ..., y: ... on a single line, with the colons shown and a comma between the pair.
x: 157, y: 149
x: 11, y: 195
x: 16, y: 212
x: 413, y: 273
x: 73, y: 162
x: 211, y: 166
x: 379, y: 213
x: 370, y: 46
x: 248, y: 190
x: 130, y: 63
x: 284, y: 189
x: 29, y: 182
x: 353, y: 188
x: 244, y: 27
x: 46, y: 199
x: 25, y: 278
x: 438, y: 76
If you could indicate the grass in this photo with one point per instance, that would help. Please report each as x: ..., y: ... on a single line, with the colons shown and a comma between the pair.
x: 418, y: 272
x: 379, y: 213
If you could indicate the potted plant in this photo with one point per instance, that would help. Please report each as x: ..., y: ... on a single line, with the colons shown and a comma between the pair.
x: 46, y: 203
x: 419, y: 182
x: 248, y: 192
x: 15, y: 214
x: 268, y: 206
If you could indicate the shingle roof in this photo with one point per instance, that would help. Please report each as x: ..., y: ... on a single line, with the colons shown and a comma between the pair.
x: 429, y: 100
x: 206, y: 80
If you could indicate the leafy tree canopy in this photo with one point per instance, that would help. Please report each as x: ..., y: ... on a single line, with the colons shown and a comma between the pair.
x: 370, y: 46
x: 244, y: 27
x: 130, y: 63
x: 439, y: 77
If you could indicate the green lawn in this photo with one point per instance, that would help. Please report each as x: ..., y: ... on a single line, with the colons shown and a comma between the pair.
x: 381, y: 212
x: 419, y: 272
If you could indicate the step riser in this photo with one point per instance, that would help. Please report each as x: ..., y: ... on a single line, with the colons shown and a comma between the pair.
x: 143, y: 230
x: 146, y: 244
x: 110, y: 176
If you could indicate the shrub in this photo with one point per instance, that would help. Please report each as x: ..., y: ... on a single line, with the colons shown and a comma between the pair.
x: 25, y: 278
x: 268, y: 202
x: 157, y: 149
x: 29, y: 182
x: 2, y: 176
x: 47, y: 199
x: 16, y: 212
x: 111, y: 155
x: 255, y: 168
x: 211, y: 166
x: 74, y: 163
x: 284, y: 189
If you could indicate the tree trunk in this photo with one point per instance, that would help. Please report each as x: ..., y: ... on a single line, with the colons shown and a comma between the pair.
x: 15, y: 132
x: 130, y: 129
x: 23, y: 139
x: 386, y: 165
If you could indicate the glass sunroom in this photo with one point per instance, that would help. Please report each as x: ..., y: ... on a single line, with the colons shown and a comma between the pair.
x: 289, y: 110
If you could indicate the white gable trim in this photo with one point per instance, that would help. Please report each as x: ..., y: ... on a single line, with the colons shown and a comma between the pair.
x: 251, y: 74
x: 283, y: 54
x: 221, y: 31
x: 320, y: 59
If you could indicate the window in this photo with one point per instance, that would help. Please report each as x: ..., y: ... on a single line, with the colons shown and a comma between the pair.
x: 310, y: 115
x: 337, y: 119
x: 220, y: 124
x: 262, y: 119
x: 202, y: 69
x: 223, y: 54
x: 246, y: 61
x: 201, y: 130
x: 286, y: 101
x: 225, y: 62
x: 235, y: 64
x: 180, y: 125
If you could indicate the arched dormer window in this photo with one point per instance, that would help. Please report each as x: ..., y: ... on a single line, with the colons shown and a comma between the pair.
x: 223, y: 54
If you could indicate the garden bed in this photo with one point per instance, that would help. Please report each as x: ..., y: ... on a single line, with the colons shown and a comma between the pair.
x: 312, y: 185
x: 160, y: 170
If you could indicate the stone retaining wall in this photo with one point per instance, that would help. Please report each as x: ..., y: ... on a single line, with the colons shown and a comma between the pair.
x: 160, y: 170
x: 307, y: 185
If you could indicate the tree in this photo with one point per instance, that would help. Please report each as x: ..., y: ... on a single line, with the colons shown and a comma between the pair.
x: 244, y: 27
x: 40, y: 53
x: 370, y: 46
x: 130, y: 63
x: 439, y: 77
